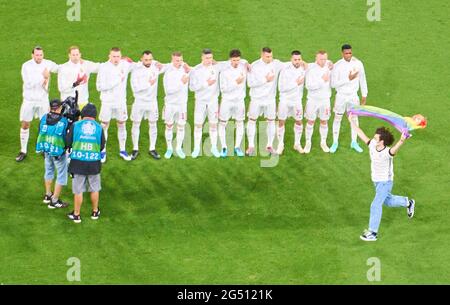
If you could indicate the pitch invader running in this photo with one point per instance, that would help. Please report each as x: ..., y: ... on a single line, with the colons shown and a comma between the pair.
x: 176, y: 82
x: 112, y: 84
x: 36, y: 81
x: 262, y: 81
x: 232, y: 86
x: 290, y: 86
x: 318, y: 101
x: 348, y: 78
x: 144, y: 82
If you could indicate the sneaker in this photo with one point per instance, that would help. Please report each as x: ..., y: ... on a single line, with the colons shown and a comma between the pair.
x: 356, y: 147
x: 47, y: 199
x: 195, y: 153
x: 324, y: 147
x: 57, y: 205
x: 95, y: 215
x: 215, y: 152
x: 154, y: 154
x: 411, y: 207
x: 334, y: 147
x: 238, y: 152
x: 299, y: 149
x: 168, y: 154
x: 75, y: 218
x: 180, y: 153
x: 21, y: 156
x: 224, y: 153
x: 280, y: 149
x: 307, y: 149
x: 124, y: 155
x: 103, y: 156
x: 368, y: 236
x: 134, y: 154
x: 250, y: 151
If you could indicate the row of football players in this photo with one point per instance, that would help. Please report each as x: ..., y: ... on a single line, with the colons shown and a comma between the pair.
x: 207, y: 80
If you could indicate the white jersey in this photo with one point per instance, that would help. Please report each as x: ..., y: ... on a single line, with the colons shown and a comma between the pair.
x: 143, y: 91
x: 176, y: 92
x: 382, y: 163
x: 231, y: 90
x: 112, y: 81
x: 68, y: 74
x: 341, y: 82
x: 33, y: 80
x: 260, y: 88
x: 318, y: 89
x: 199, y: 82
x: 289, y: 89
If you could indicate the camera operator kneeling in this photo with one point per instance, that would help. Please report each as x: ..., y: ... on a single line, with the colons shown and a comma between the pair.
x: 52, y: 143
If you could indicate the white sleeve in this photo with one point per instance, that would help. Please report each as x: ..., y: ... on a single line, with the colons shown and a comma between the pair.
x: 363, y: 81
x: 92, y: 66
x: 31, y: 80
x: 139, y: 83
x: 105, y: 81
x: 337, y: 79
x: 254, y: 80
x: 53, y: 67
x: 196, y: 83
x: 285, y: 84
x: 227, y: 84
x: 64, y: 82
x: 171, y: 85
x: 313, y: 81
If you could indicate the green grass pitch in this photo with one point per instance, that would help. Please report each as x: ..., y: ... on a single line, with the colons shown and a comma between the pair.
x: 232, y: 221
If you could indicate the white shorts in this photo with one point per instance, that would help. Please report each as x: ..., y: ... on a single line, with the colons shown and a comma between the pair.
x: 202, y: 109
x: 343, y: 102
x: 30, y: 110
x: 289, y: 109
x: 175, y: 113
x: 144, y: 111
x: 320, y: 108
x: 109, y: 112
x: 234, y: 109
x: 258, y: 108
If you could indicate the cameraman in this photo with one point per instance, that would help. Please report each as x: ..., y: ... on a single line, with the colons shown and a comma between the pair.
x: 87, y: 140
x: 52, y: 142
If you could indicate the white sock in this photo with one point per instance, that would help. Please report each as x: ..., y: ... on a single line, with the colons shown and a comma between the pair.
x: 323, y: 132
x: 180, y: 136
x: 153, y: 132
x: 336, y: 127
x: 122, y: 136
x: 309, y: 129
x: 270, y: 133
x: 169, y: 136
x: 280, y: 135
x: 239, y: 133
x: 135, y: 130
x: 213, y: 136
x: 354, y: 133
x: 24, y: 136
x: 222, y: 134
x: 197, y: 137
x: 105, y: 132
x: 298, y: 130
x: 251, y: 129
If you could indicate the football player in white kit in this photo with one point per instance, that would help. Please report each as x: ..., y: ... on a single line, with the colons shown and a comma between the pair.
x: 144, y: 82
x: 36, y: 80
x: 290, y: 86
x: 74, y: 76
x: 262, y: 81
x: 318, y: 102
x: 176, y: 82
x: 233, y: 88
x: 112, y: 84
x: 348, y: 78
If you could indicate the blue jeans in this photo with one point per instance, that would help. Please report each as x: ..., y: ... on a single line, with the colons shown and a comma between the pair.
x: 60, y: 164
x: 383, y: 195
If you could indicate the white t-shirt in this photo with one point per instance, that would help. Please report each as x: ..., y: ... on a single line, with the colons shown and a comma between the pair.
x: 382, y: 163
